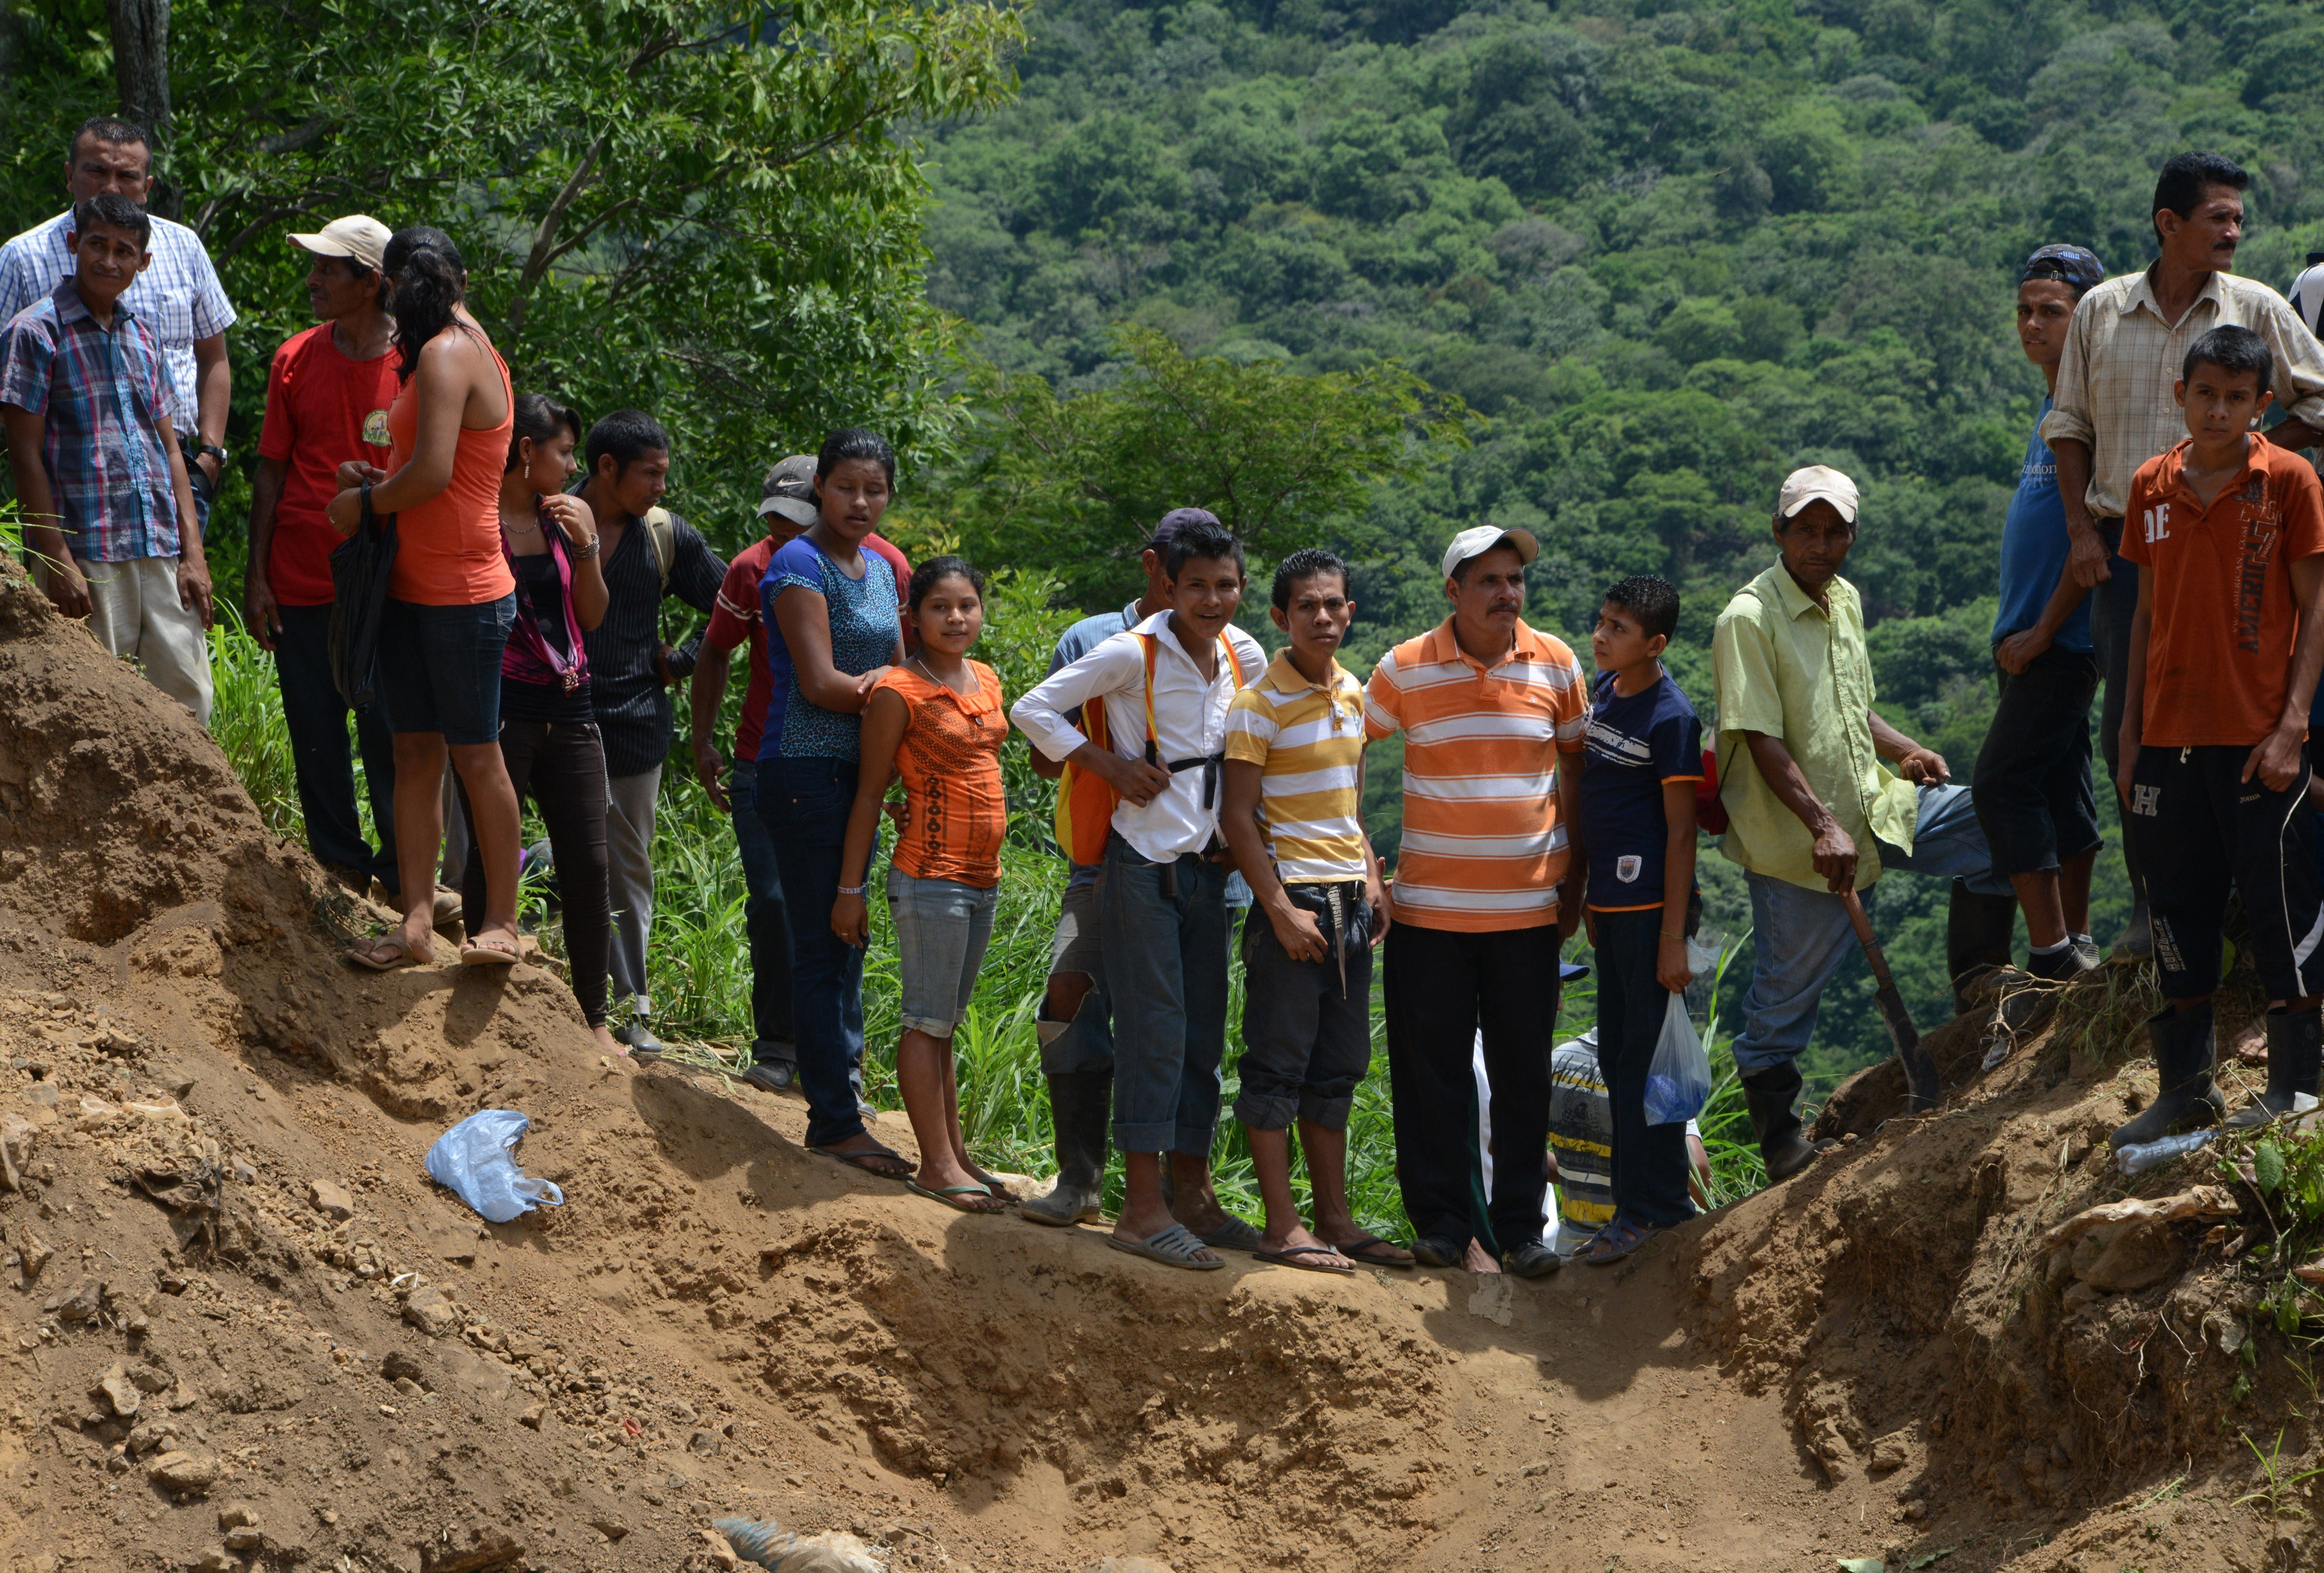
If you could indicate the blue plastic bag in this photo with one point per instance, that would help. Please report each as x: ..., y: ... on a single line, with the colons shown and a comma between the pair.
x: 474, y: 1158
x: 1678, y: 1079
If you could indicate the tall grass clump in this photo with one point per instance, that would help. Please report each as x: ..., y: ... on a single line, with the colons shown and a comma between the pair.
x: 701, y: 964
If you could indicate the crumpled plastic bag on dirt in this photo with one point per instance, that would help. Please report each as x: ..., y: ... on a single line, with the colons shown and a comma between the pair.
x: 474, y: 1158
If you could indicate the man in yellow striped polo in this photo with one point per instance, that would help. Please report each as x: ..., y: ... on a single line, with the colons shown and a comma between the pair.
x: 1294, y: 756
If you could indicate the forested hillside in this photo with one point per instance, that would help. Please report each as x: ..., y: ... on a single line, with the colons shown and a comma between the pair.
x: 1666, y: 251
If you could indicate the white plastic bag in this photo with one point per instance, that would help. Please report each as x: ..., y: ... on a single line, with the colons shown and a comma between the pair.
x: 474, y: 1158
x: 1678, y: 1081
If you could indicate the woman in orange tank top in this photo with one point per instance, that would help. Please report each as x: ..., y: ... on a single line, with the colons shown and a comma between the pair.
x: 451, y: 598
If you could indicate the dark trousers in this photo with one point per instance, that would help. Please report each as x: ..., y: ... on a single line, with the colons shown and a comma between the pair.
x: 562, y: 766
x: 2201, y: 829
x: 2033, y: 797
x: 765, y: 919
x: 2113, y: 605
x: 1649, y: 1161
x: 1306, y: 1025
x: 316, y: 719
x: 1441, y: 989
x: 804, y: 804
x: 1166, y: 939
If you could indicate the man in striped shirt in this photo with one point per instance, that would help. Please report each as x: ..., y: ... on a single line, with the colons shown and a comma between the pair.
x: 1487, y: 705
x: 1294, y: 753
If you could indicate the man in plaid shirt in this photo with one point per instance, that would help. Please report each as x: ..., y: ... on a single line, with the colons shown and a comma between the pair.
x: 84, y: 396
x: 178, y: 297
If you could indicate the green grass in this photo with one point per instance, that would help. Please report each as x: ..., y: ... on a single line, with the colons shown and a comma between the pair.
x: 700, y: 959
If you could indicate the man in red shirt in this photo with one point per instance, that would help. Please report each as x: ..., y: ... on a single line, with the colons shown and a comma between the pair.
x: 2226, y: 531
x: 787, y: 506
x: 327, y: 398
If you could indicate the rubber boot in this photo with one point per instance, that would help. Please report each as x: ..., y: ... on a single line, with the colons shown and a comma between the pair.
x: 2295, y: 1054
x: 1769, y: 1094
x: 2185, y: 1099
x: 1977, y: 932
x: 1081, y: 1107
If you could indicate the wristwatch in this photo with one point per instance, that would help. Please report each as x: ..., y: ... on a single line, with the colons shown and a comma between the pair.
x: 195, y: 448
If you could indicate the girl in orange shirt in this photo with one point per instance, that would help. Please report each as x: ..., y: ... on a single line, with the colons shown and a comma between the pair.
x: 936, y: 722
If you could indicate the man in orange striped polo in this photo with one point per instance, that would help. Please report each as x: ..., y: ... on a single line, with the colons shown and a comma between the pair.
x: 1487, y: 705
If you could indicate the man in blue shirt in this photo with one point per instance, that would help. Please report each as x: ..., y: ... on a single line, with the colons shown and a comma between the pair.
x: 2033, y: 795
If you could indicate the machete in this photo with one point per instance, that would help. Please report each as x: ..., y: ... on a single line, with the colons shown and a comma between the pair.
x: 1920, y: 1070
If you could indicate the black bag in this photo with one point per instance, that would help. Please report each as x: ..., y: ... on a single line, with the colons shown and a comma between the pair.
x: 360, y: 566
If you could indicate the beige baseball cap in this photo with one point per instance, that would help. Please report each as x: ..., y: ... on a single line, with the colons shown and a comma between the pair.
x: 1479, y: 539
x: 1817, y: 483
x: 359, y: 237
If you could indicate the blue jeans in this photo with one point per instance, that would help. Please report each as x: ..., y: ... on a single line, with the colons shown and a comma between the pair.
x: 440, y: 667
x: 942, y: 929
x: 1800, y: 937
x: 1166, y: 970
x: 1087, y: 1043
x: 765, y: 918
x: 806, y: 819
x: 316, y: 719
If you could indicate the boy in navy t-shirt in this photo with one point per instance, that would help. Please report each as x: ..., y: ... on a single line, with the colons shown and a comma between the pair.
x: 1642, y: 758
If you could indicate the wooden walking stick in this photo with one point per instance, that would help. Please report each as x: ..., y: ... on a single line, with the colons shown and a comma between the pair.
x: 1920, y: 1070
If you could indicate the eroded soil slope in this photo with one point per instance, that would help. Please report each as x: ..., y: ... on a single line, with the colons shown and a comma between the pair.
x: 241, y: 1328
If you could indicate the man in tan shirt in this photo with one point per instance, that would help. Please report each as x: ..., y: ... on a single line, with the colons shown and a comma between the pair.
x: 2113, y: 408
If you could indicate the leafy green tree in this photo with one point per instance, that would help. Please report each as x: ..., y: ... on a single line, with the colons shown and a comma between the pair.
x: 706, y: 209
x: 1074, y: 482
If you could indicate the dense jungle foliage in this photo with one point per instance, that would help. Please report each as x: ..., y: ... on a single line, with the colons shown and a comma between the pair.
x: 1664, y: 249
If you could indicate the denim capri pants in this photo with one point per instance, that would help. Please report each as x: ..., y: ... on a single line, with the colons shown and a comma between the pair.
x: 942, y: 929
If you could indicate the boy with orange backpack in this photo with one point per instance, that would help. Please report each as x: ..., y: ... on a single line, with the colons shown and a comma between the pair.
x: 1166, y: 687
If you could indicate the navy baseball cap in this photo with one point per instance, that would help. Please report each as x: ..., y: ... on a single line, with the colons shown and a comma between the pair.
x: 1175, y: 520
x: 2078, y: 266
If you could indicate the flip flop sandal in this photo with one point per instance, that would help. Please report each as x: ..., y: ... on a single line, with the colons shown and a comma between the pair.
x: 998, y: 1188
x: 480, y: 953
x: 1616, y: 1241
x: 1173, y: 1247
x: 947, y: 1193
x: 1234, y: 1234
x: 1295, y: 1256
x: 868, y: 1159
x: 1355, y: 1253
x: 366, y: 955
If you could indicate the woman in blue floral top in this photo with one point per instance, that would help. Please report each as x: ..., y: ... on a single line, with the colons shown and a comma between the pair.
x: 835, y: 606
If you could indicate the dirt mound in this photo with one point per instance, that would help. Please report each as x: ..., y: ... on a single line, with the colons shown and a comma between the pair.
x: 241, y: 1329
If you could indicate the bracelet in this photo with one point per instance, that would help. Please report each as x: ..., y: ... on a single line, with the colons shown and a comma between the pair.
x: 583, y: 553
x: 1668, y: 935
x: 851, y: 889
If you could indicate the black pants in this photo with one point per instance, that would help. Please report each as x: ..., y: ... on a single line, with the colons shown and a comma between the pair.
x: 2113, y: 605
x: 563, y: 766
x: 1649, y: 1161
x: 316, y: 719
x: 2201, y: 829
x: 1442, y: 988
x: 1306, y: 1025
x: 2033, y: 797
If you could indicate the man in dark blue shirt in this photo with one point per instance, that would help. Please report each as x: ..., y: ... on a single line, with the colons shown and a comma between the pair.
x: 2034, y: 794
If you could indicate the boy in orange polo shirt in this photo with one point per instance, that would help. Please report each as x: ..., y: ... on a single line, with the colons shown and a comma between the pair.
x: 2227, y: 532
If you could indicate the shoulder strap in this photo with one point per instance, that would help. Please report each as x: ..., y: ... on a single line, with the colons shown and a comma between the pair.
x: 663, y: 538
x: 1234, y: 663
x: 1153, y: 650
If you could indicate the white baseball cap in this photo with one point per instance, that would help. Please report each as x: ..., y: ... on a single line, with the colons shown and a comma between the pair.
x: 1479, y: 539
x: 1817, y: 483
x: 359, y: 237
